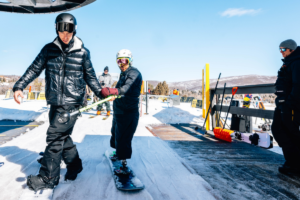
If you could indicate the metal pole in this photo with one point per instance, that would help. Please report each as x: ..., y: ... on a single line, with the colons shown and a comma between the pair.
x: 146, y: 102
x: 207, y: 96
x: 203, y: 109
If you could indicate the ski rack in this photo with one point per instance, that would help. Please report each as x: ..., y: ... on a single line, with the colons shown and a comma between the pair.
x: 247, y: 89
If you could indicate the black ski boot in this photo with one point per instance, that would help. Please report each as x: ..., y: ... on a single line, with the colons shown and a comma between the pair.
x: 72, y: 174
x: 73, y: 170
x: 39, y: 183
x: 289, y: 170
x: 123, y: 170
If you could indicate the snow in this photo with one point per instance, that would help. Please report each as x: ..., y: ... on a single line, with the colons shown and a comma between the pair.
x: 164, y: 174
x: 33, y: 110
x: 160, y: 169
x: 162, y: 113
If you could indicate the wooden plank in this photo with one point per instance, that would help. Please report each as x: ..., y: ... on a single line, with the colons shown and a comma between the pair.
x: 234, y: 169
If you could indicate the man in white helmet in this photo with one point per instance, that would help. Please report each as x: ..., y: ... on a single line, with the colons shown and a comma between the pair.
x: 126, y: 109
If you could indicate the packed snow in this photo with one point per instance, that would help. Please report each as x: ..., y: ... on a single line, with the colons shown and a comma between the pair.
x: 159, y: 168
x: 163, y: 172
x: 31, y: 110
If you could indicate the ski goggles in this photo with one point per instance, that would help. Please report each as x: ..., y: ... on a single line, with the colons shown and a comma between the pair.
x: 63, y: 26
x: 282, y: 49
x: 123, y: 60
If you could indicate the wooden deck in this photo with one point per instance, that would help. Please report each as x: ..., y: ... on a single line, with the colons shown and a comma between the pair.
x: 235, y: 170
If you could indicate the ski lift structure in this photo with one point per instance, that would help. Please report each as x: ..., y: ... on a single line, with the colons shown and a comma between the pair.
x: 41, y: 6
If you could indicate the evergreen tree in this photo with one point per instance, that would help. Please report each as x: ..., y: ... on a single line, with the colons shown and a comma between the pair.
x: 165, y: 88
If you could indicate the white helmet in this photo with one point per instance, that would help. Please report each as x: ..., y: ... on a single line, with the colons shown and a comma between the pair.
x: 125, y: 53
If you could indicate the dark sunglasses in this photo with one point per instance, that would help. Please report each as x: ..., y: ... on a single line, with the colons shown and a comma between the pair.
x: 62, y: 27
x: 282, y: 49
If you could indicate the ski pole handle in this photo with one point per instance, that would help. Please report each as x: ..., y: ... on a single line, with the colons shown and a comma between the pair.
x: 234, y: 90
x: 99, y: 102
x: 64, y: 117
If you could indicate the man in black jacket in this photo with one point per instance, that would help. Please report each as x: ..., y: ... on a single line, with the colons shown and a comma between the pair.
x: 126, y: 109
x: 68, y: 68
x: 286, y: 122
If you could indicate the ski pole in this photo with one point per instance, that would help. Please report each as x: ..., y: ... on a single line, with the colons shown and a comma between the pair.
x: 202, y: 130
x: 234, y: 90
x: 64, y: 117
x: 222, y: 105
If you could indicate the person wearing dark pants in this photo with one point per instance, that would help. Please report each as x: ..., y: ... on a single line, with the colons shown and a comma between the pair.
x: 286, y: 122
x: 105, y: 80
x: 68, y: 69
x: 123, y: 129
x: 126, y: 109
x: 60, y: 144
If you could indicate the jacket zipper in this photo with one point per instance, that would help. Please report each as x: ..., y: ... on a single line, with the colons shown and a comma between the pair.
x: 63, y: 79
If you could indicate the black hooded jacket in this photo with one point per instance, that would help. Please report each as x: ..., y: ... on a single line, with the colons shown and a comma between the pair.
x: 288, y: 82
x: 66, y: 73
x: 129, y: 85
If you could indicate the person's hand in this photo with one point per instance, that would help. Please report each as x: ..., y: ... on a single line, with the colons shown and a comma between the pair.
x: 113, y: 98
x: 105, y: 92
x: 17, y: 94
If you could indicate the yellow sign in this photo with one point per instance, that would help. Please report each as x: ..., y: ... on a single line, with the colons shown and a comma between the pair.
x: 142, y: 88
x: 194, y: 103
x: 41, y: 96
x: 7, y: 94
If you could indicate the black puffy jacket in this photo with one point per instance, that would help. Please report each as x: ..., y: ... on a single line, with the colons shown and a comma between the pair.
x: 288, y: 82
x: 66, y: 73
x: 129, y: 85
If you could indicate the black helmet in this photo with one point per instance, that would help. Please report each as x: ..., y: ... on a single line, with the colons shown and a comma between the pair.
x: 66, y: 22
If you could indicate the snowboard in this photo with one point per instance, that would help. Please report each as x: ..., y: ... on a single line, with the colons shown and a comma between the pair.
x: 1, y: 164
x: 259, y: 139
x: 28, y: 194
x: 123, y: 182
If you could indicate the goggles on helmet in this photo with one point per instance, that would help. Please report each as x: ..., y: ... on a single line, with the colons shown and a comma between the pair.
x: 123, y: 60
x: 63, y: 26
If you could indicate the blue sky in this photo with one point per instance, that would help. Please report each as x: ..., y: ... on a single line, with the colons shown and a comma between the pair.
x: 170, y: 39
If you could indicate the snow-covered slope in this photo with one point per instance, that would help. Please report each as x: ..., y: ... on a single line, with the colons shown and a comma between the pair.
x: 27, y: 111
x: 156, y: 165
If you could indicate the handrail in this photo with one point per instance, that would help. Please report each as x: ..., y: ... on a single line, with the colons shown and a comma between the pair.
x: 248, y: 89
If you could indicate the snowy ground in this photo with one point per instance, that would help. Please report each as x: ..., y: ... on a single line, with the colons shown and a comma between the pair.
x: 157, y: 166
x: 27, y: 111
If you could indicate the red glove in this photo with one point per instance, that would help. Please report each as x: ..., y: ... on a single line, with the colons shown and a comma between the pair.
x: 109, y: 91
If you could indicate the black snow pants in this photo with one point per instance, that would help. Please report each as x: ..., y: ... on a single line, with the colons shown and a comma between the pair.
x: 107, y: 105
x: 60, y: 145
x: 286, y: 131
x: 123, y: 129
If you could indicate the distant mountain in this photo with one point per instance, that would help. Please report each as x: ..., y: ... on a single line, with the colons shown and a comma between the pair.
x: 194, y: 85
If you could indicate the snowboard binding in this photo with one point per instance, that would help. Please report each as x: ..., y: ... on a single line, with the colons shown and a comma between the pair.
x: 38, y: 182
x: 113, y: 157
x: 123, y: 170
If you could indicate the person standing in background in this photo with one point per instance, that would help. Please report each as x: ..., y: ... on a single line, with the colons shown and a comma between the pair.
x: 105, y: 80
x: 286, y: 121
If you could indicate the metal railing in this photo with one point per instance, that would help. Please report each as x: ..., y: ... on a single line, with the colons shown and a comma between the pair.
x: 247, y: 89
